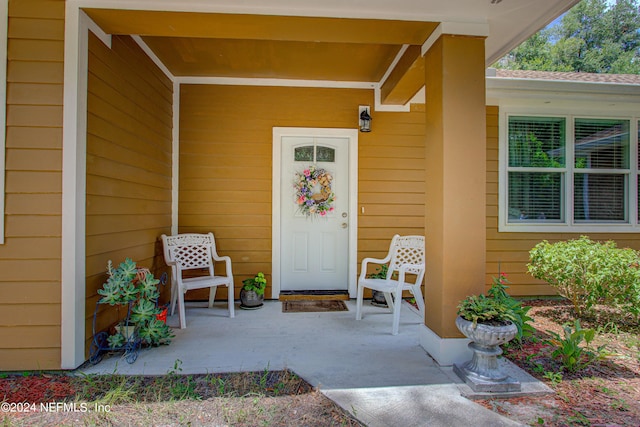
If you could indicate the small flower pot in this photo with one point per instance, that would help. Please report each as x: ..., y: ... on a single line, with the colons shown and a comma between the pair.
x: 127, y: 331
x: 250, y: 300
x: 482, y: 373
x: 378, y: 299
x: 163, y: 315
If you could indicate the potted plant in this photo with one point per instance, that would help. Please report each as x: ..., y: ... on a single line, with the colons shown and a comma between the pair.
x: 252, y: 292
x: 377, y: 297
x: 136, y: 289
x: 488, y: 321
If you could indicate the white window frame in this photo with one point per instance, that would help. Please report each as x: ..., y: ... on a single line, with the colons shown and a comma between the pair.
x: 569, y: 225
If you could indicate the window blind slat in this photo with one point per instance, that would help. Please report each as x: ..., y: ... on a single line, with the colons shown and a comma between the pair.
x: 537, y: 142
x: 601, y: 144
x: 599, y: 197
x: 535, y: 197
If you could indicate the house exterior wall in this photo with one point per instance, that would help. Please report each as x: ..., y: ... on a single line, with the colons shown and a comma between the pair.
x: 225, y: 176
x: 129, y: 137
x: 30, y: 258
x: 226, y: 161
x: 509, y: 252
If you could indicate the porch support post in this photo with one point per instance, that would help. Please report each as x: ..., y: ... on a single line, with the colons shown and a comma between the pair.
x: 455, y: 223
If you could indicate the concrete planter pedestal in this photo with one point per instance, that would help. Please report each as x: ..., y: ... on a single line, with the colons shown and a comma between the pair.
x: 482, y: 372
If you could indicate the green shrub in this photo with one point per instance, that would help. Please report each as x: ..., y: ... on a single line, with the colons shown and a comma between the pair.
x: 588, y: 272
x: 569, y: 350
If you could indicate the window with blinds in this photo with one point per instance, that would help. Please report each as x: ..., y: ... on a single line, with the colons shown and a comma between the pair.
x: 537, y: 153
x: 571, y: 171
x: 601, y: 174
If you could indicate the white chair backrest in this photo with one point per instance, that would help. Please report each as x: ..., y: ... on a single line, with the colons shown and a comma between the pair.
x: 169, y: 242
x: 192, y: 256
x: 406, y: 250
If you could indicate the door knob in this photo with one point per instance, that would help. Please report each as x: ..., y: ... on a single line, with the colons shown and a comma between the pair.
x: 344, y: 225
x: 344, y: 214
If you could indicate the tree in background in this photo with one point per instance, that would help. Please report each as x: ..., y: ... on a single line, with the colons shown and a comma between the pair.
x: 593, y: 37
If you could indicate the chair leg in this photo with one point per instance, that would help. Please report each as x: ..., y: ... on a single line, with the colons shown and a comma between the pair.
x: 212, y: 295
x: 420, y: 301
x: 396, y: 314
x: 390, y: 303
x: 359, y: 298
x: 174, y: 290
x: 230, y: 298
x: 181, y: 310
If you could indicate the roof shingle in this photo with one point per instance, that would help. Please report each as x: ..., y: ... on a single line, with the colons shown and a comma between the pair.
x: 628, y: 79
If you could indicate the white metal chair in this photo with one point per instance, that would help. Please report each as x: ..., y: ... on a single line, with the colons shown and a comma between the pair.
x: 177, y: 292
x: 406, y: 256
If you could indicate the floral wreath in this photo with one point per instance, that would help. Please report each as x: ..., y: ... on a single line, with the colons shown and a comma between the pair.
x: 310, y: 200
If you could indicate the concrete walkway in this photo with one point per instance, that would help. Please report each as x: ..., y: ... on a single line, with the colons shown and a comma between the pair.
x: 383, y: 380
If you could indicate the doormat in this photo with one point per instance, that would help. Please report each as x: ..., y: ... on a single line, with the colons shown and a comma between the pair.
x: 313, y: 295
x: 308, y: 306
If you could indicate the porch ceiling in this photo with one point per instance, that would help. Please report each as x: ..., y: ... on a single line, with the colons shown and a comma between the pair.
x: 258, y: 46
x: 336, y: 40
x: 273, y: 59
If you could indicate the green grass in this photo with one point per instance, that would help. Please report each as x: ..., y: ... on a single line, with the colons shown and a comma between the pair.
x: 116, y: 389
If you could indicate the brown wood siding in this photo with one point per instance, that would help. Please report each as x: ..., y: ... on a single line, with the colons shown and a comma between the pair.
x: 30, y: 258
x: 129, y: 125
x: 509, y: 252
x: 226, y: 156
x: 391, y: 173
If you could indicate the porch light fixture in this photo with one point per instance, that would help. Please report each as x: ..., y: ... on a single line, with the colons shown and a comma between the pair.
x: 365, y: 118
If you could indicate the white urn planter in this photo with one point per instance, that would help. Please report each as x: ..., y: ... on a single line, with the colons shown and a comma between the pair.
x: 482, y: 373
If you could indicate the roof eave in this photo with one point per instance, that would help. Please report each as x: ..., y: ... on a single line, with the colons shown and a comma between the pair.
x: 501, y: 87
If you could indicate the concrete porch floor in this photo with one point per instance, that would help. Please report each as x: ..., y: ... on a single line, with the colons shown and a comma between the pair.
x: 383, y: 380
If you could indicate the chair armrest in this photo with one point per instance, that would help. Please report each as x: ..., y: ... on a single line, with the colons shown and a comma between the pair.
x: 227, y: 261
x: 380, y: 261
x: 404, y: 268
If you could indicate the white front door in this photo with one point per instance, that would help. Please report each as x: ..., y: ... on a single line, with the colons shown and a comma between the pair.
x: 314, y: 213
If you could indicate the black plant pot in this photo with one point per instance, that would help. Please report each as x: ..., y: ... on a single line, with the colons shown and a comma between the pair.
x: 378, y: 299
x: 250, y: 300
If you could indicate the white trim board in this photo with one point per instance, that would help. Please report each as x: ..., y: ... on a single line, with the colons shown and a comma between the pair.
x: 74, y: 143
x: 74, y: 146
x: 4, y: 28
x: 445, y: 351
x: 352, y: 135
x: 175, y: 158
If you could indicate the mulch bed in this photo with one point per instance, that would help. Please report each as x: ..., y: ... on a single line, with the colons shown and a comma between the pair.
x: 605, y: 393
x: 36, y: 388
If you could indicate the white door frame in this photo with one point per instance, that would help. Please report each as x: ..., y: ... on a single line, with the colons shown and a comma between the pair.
x: 352, y: 136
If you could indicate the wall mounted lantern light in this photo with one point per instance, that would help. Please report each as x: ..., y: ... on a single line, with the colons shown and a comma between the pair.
x: 365, y: 118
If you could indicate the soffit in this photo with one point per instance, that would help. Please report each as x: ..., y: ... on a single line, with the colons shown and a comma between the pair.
x: 333, y: 40
x: 260, y: 27
x: 273, y: 59
x: 258, y: 46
